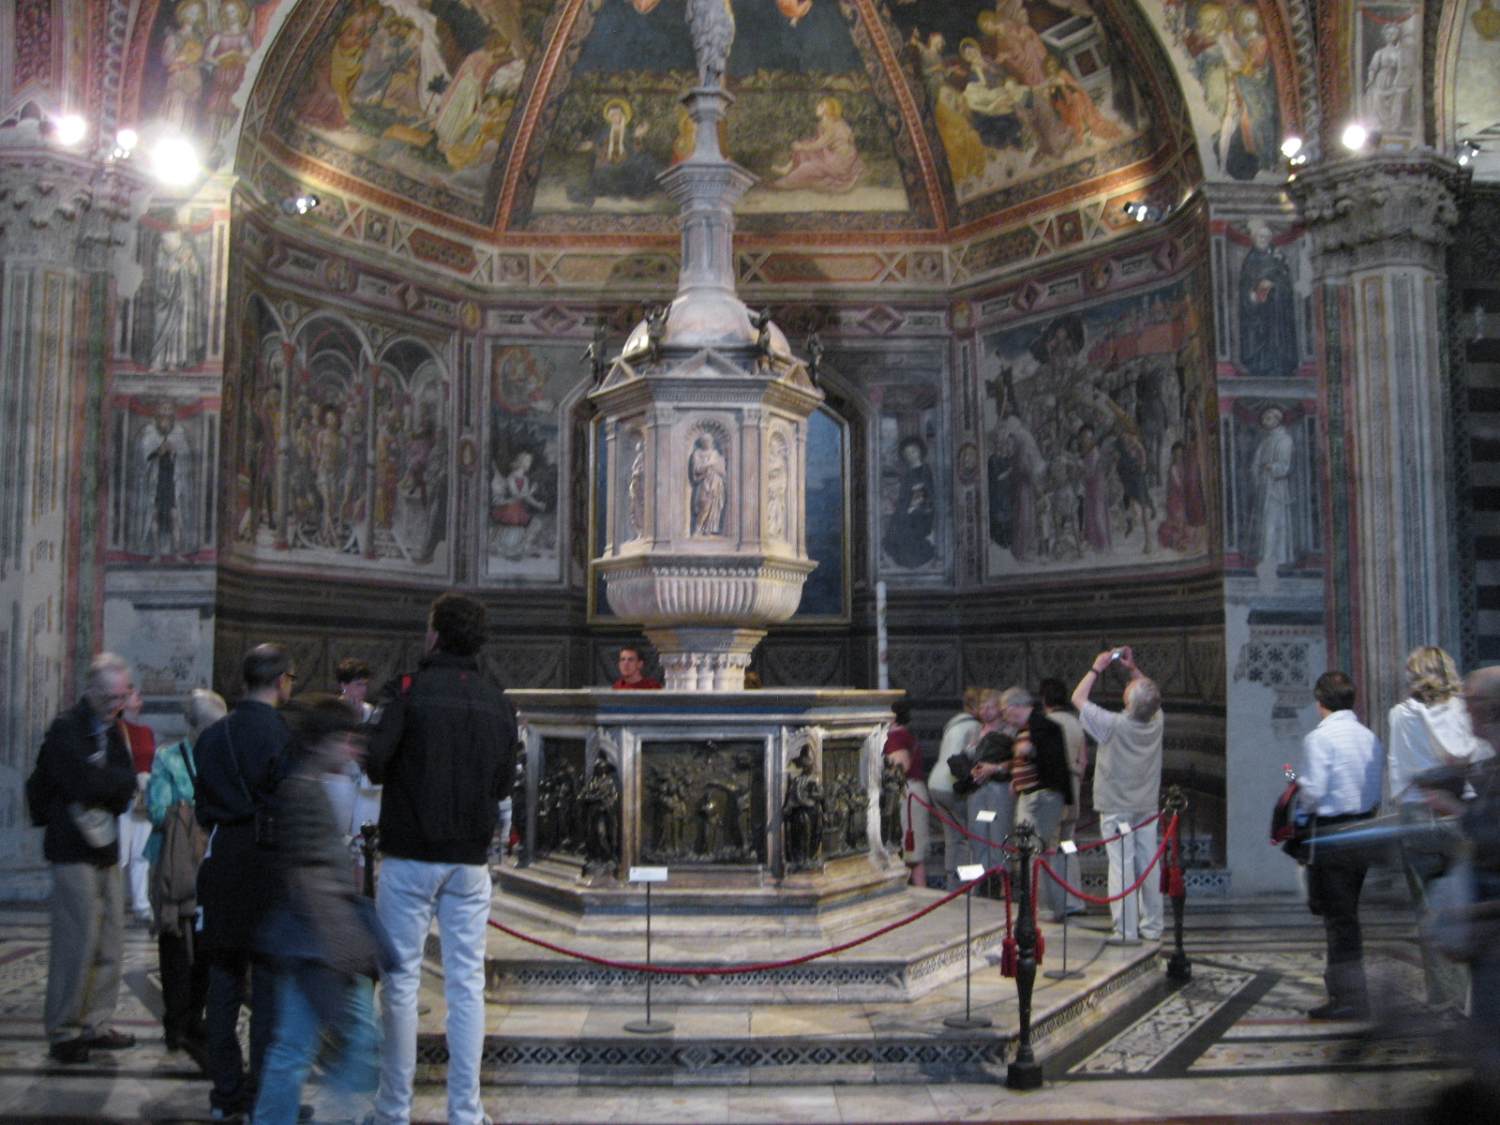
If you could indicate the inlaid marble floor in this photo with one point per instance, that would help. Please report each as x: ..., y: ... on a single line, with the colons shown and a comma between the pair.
x: 1232, y: 1045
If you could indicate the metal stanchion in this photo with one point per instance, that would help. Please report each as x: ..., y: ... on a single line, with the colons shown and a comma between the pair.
x: 1179, y: 968
x: 648, y: 1026
x: 968, y: 1021
x: 1025, y: 1073
x: 1065, y: 849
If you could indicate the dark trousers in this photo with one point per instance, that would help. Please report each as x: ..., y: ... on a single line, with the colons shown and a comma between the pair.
x: 184, y: 987
x: 228, y: 971
x: 1334, y: 880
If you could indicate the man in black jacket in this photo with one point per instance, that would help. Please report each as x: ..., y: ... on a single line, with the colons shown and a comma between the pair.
x: 445, y: 752
x: 241, y: 759
x: 88, y: 779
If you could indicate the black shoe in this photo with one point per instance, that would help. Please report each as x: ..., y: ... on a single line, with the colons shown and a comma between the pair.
x: 1335, y: 1011
x: 70, y: 1051
x: 110, y: 1040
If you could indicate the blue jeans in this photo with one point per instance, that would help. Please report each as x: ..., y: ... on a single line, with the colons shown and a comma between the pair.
x: 309, y: 998
x: 411, y: 893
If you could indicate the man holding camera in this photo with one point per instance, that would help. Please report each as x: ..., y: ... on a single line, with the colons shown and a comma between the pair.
x: 1127, y: 785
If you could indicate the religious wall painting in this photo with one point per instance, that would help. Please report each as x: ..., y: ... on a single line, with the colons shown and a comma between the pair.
x: 911, y: 460
x: 197, y: 57
x: 526, y: 385
x: 1271, y: 303
x: 1020, y: 88
x: 1476, y: 96
x: 348, y: 450
x: 1230, y: 70
x: 1388, y: 48
x: 1097, y: 446
x: 805, y: 120
x: 1272, y: 504
x: 413, y: 95
x: 170, y: 310
x: 164, y: 447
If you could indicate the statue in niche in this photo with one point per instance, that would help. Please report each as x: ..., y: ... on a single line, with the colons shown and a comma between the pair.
x: 737, y: 815
x: 166, y: 456
x: 706, y: 473
x: 802, y: 812
x: 892, y: 786
x: 669, y: 791
x: 776, y: 487
x: 596, y: 355
x: 600, y: 801
x: 835, y: 818
x: 855, y: 827
x: 635, y: 488
x: 710, y: 823
x: 1268, y: 311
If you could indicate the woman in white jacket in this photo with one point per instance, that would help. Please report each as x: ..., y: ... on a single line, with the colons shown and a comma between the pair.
x: 1428, y: 730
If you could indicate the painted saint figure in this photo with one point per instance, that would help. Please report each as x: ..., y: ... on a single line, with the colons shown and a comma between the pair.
x: 1273, y: 475
x: 513, y: 505
x: 828, y: 161
x: 908, y: 530
x: 620, y: 168
x: 1388, y: 80
x: 181, y: 310
x: 165, y: 453
x: 1268, y: 312
x: 706, y: 473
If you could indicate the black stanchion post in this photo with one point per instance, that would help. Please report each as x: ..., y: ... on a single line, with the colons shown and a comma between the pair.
x: 1025, y: 1073
x: 1179, y: 968
x: 367, y: 834
x: 648, y: 1026
x: 970, y: 873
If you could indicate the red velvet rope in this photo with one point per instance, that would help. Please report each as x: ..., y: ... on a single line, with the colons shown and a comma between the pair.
x: 758, y: 967
x: 1130, y: 890
x: 1010, y: 848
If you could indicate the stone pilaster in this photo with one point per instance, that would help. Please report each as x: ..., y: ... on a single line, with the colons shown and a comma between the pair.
x: 58, y: 220
x: 1380, y: 227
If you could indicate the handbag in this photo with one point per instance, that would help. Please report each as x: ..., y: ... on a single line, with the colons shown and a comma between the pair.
x: 1287, y: 831
x: 97, y: 826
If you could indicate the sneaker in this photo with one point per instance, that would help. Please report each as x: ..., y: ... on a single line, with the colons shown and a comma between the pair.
x: 69, y: 1051
x: 109, y: 1040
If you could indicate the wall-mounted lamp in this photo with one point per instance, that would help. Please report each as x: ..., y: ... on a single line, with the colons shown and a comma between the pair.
x: 174, y: 161
x: 67, y: 130
x: 1143, y: 212
x: 1357, y: 136
x: 125, y: 142
x: 1467, y: 151
x: 299, y: 204
x: 1295, y: 150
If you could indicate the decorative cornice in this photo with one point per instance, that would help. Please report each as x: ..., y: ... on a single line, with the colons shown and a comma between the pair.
x: 1380, y: 210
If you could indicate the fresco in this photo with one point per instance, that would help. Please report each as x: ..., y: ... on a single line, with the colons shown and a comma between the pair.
x: 1272, y: 505
x: 1270, y: 298
x: 526, y: 386
x: 1389, y: 49
x: 171, y: 309
x: 805, y: 119
x: 1096, y: 438
x: 345, y: 459
x: 197, y: 56
x: 1477, y: 91
x: 158, y: 514
x: 913, y: 491
x: 1232, y: 92
x: 415, y: 92
x: 1019, y: 88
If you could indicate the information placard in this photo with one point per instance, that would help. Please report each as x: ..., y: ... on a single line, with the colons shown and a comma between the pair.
x: 1068, y: 847
x: 648, y: 875
x: 985, y: 816
x: 968, y: 872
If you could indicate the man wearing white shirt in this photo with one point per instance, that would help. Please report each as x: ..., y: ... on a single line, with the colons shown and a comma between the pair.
x: 1342, y: 764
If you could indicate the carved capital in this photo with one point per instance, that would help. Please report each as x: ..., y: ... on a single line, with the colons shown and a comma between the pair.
x: 59, y: 209
x: 1381, y: 210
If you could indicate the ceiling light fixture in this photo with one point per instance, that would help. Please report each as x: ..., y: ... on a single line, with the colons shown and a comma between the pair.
x: 174, y: 161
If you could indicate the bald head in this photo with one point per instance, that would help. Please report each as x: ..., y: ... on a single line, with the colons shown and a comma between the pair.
x: 1482, y: 695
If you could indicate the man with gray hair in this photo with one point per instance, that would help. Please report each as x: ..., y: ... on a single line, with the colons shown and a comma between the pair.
x: 1127, y: 785
x: 85, y: 778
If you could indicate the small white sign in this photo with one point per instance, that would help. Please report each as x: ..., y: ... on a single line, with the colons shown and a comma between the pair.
x: 1067, y: 847
x: 648, y: 874
x: 1126, y: 830
x: 985, y: 816
x: 968, y: 872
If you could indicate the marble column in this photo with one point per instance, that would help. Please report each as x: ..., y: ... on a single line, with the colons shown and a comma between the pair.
x: 59, y: 217
x: 1380, y: 226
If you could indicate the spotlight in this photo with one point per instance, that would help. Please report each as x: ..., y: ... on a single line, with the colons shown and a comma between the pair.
x: 1354, y: 137
x: 69, y: 129
x: 1291, y: 146
x: 126, y: 140
x: 1143, y: 212
x: 299, y: 204
x: 1467, y: 151
x: 174, y: 161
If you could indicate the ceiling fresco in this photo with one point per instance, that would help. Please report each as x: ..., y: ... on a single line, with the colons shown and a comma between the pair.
x: 858, y: 117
